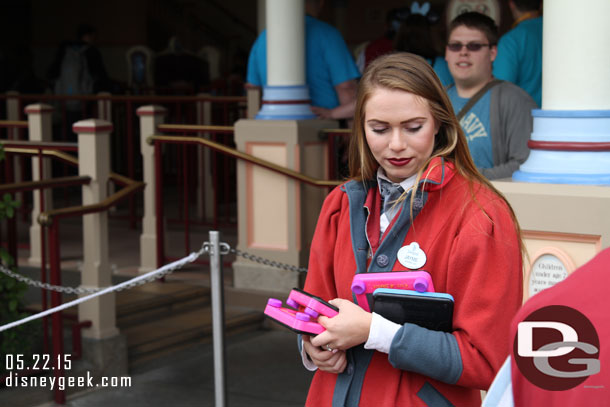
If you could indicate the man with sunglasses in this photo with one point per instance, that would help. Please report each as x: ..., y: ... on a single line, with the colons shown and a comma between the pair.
x: 495, y: 115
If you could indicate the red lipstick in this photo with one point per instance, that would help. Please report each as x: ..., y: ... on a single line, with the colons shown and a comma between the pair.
x: 399, y: 162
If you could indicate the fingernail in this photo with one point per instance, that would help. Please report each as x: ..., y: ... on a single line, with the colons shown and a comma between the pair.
x: 335, y: 350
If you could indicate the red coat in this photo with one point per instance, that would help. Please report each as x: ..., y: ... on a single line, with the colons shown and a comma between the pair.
x: 472, y: 253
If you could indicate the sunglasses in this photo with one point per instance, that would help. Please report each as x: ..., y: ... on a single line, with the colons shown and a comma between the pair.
x: 471, y: 46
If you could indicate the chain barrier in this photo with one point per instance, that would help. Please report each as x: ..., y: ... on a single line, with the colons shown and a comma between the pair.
x: 267, y: 262
x: 47, y: 286
x: 206, y: 247
x: 134, y: 282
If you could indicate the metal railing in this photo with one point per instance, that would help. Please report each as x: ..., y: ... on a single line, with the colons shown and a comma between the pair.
x: 245, y: 157
x: 121, y: 111
x: 158, y: 140
x: 50, y: 220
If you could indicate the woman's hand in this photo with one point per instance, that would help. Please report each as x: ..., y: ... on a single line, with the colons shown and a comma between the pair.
x: 347, y: 329
x: 329, y: 361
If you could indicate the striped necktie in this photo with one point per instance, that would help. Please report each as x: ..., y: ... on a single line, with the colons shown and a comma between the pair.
x: 390, y: 193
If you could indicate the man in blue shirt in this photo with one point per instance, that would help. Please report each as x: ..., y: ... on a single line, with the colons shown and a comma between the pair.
x: 499, y: 123
x: 331, y: 72
x: 519, y: 57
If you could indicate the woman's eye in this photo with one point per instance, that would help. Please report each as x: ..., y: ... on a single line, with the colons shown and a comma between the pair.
x: 414, y: 129
x: 379, y: 130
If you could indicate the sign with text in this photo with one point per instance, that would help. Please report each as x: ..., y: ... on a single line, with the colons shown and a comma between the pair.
x: 547, y: 270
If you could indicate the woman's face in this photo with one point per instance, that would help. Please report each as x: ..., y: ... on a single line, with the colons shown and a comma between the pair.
x: 399, y: 130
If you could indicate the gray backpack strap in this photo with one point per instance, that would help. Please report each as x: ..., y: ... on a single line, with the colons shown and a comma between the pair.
x: 476, y: 97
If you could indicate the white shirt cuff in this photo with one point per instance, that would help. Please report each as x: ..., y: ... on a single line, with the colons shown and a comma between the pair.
x: 381, y: 334
x: 308, y: 363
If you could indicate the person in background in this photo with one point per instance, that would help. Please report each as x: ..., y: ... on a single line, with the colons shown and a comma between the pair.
x: 519, y: 57
x: 415, y: 36
x: 331, y: 72
x: 412, y: 181
x: 495, y: 115
x: 384, y: 44
x: 93, y: 64
x: 77, y: 69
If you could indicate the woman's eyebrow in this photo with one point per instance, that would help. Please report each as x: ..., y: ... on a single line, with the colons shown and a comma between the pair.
x: 377, y: 121
x: 413, y: 119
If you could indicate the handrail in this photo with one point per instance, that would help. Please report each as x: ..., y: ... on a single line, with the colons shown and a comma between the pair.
x: 47, y: 183
x: 46, y: 218
x: 195, y: 128
x: 14, y: 123
x: 121, y: 179
x: 50, y: 153
x: 52, y: 145
x: 246, y: 157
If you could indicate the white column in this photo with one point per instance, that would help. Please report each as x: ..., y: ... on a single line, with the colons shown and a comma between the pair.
x: 150, y: 118
x: 94, y: 161
x: 104, y: 112
x: 576, y: 56
x: 570, y: 142
x: 285, y: 42
x: 286, y: 95
x: 40, y: 125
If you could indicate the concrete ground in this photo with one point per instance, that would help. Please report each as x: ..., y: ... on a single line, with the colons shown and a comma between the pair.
x: 263, y: 369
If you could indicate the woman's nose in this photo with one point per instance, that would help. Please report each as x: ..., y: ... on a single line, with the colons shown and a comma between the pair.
x: 398, y: 141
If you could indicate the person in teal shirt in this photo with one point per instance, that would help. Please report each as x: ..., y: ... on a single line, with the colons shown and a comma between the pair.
x: 499, y: 123
x: 331, y: 72
x: 519, y: 58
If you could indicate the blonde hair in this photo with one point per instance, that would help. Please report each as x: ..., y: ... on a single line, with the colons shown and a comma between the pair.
x: 411, y: 73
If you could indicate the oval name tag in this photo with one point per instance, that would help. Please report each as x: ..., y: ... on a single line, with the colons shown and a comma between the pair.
x: 411, y: 256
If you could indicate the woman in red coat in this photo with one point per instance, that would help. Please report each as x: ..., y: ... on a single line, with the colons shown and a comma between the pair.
x: 407, y: 139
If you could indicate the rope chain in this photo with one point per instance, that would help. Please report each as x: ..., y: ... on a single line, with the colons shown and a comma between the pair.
x: 268, y: 262
x: 206, y: 247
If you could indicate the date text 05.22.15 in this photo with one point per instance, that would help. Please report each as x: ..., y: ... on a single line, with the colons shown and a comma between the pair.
x: 37, y: 362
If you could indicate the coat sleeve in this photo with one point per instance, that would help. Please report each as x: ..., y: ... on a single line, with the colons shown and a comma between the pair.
x: 485, y: 279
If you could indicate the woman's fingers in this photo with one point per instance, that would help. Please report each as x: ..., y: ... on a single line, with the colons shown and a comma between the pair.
x: 335, y: 364
x: 347, y: 329
x: 322, y: 339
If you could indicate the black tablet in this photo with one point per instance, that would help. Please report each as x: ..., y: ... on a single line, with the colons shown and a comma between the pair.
x: 429, y: 310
